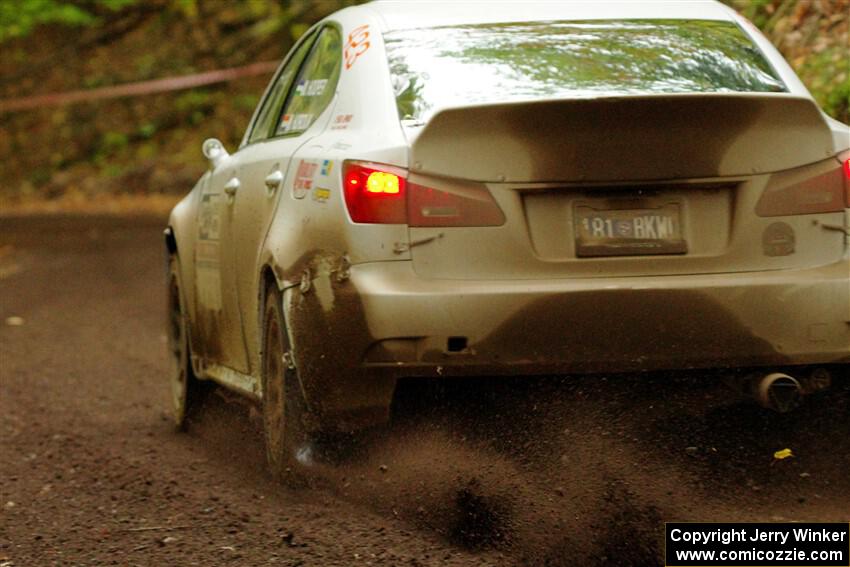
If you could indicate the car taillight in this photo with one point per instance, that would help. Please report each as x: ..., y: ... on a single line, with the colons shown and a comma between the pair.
x: 454, y: 205
x: 825, y: 192
x: 382, y: 194
x: 844, y: 158
x: 374, y: 193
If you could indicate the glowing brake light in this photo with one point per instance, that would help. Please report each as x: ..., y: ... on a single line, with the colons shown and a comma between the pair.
x: 381, y: 194
x: 374, y: 193
x: 844, y: 158
x: 382, y: 182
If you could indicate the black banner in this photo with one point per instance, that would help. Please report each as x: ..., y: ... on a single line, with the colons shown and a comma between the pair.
x: 758, y: 545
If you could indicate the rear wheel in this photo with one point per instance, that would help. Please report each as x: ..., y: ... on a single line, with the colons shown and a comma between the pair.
x: 283, y: 401
x: 186, y: 390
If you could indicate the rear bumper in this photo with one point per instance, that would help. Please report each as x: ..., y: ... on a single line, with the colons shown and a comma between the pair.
x: 778, y: 318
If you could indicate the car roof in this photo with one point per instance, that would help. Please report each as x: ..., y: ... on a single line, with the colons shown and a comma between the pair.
x: 409, y: 14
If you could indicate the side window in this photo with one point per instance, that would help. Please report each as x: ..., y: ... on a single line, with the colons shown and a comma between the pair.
x: 271, y: 104
x: 315, y: 86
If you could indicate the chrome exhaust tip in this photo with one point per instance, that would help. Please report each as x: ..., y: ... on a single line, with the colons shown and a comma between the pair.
x: 777, y: 391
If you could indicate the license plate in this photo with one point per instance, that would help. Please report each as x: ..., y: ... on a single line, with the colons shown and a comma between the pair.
x: 628, y: 232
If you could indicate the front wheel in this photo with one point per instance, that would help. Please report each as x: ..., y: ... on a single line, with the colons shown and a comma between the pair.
x: 283, y: 400
x: 186, y: 390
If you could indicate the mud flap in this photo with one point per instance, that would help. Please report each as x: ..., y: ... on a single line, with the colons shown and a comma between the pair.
x: 329, y: 335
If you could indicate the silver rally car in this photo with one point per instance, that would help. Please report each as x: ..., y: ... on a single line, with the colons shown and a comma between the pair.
x: 438, y: 189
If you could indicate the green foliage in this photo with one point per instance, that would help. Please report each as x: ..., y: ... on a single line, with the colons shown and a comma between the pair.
x: 813, y: 37
x: 112, y: 141
x: 246, y: 102
x: 147, y: 130
x: 116, y: 5
x: 827, y: 75
x: 298, y: 29
x: 754, y: 10
x: 151, y: 143
x: 19, y: 17
x: 192, y: 100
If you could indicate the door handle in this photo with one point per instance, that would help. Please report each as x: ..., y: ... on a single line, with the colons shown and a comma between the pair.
x: 231, y: 186
x: 274, y: 179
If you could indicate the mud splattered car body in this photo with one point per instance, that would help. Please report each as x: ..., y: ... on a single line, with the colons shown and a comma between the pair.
x: 438, y: 191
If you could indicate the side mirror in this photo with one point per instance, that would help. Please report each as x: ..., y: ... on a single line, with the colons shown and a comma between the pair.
x: 214, y: 151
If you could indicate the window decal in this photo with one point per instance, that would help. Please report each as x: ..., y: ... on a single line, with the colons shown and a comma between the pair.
x: 357, y: 45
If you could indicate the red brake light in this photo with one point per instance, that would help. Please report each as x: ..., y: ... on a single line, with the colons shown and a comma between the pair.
x: 382, y: 182
x: 374, y: 195
x: 845, y: 165
x: 381, y: 194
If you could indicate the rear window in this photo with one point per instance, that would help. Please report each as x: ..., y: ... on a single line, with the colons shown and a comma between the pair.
x: 457, y: 65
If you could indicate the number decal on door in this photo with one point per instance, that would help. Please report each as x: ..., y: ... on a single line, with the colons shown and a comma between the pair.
x: 357, y: 44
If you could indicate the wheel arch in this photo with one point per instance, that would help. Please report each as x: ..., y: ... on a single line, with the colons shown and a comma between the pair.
x: 267, y: 279
x: 178, y: 243
x: 170, y: 241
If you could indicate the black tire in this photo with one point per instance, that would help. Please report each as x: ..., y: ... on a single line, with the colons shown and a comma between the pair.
x: 187, y: 392
x: 284, y: 409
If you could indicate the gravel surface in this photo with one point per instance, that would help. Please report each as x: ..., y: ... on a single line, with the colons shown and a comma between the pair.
x: 544, y: 471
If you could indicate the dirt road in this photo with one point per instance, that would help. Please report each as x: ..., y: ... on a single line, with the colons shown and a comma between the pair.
x: 533, y: 472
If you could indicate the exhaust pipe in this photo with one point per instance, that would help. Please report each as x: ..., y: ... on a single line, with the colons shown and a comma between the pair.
x: 777, y: 391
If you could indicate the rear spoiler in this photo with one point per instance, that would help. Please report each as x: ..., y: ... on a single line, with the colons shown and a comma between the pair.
x: 623, y: 138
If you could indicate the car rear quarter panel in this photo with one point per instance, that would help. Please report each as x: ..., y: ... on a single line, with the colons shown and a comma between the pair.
x: 311, y: 243
x: 362, y: 125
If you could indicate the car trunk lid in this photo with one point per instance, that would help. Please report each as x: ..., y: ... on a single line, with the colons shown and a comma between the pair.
x: 627, y: 185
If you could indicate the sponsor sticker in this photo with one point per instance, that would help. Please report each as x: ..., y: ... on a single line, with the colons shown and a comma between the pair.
x: 302, y: 121
x: 341, y: 121
x: 206, y: 252
x: 316, y: 87
x: 321, y: 195
x: 327, y: 166
x: 286, y: 122
x: 313, y: 87
x: 303, y: 179
x: 295, y: 122
x: 357, y: 45
x: 208, y: 218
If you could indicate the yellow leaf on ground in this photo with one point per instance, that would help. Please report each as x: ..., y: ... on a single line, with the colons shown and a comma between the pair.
x: 783, y: 454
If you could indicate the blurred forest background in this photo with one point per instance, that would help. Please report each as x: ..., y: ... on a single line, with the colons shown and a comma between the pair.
x: 148, y: 147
